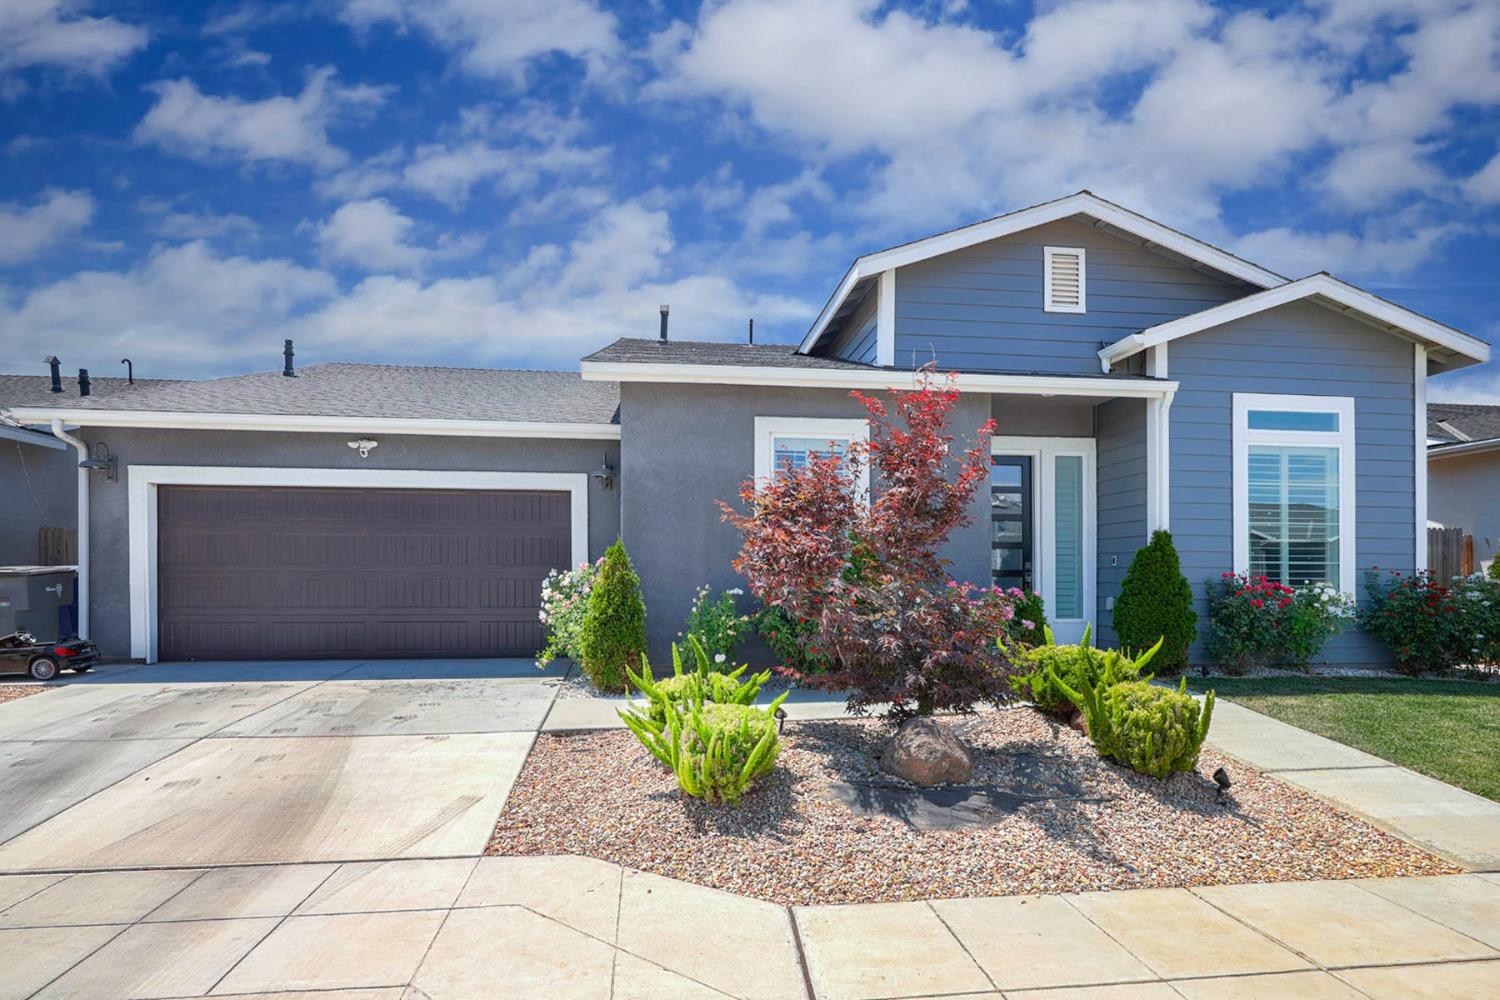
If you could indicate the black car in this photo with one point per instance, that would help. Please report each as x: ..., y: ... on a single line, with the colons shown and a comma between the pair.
x: 20, y: 653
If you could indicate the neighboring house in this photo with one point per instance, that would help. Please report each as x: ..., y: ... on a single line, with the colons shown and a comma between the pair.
x: 1463, y: 473
x: 38, y: 473
x: 1140, y: 379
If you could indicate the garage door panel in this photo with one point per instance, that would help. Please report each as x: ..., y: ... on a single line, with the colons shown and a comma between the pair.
x: 300, y: 572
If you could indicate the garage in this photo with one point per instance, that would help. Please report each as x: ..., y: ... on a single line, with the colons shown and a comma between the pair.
x: 263, y: 572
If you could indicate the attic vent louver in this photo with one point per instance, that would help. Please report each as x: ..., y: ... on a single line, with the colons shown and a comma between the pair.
x: 1064, y: 280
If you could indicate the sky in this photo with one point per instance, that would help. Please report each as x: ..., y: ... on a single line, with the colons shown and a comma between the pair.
x: 518, y: 182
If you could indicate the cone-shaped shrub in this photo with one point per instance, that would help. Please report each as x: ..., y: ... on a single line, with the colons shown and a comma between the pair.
x: 613, y: 637
x: 1156, y: 602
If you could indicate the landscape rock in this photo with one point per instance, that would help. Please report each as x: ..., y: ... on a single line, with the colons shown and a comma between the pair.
x: 925, y: 753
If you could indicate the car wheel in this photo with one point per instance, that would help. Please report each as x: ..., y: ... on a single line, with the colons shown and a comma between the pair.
x: 43, y: 668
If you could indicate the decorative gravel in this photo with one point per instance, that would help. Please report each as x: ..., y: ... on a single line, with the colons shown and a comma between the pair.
x: 10, y: 692
x: 600, y: 794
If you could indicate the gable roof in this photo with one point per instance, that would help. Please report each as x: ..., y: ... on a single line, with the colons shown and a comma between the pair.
x: 1107, y: 213
x: 339, y: 396
x: 1449, y: 348
x: 36, y: 390
x: 640, y: 351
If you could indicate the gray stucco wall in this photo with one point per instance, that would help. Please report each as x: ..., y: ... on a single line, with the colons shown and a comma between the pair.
x: 685, y: 447
x: 110, y: 585
x: 980, y: 309
x: 1121, y: 445
x: 1300, y: 349
x: 1463, y: 491
x: 1039, y: 416
x: 38, y: 488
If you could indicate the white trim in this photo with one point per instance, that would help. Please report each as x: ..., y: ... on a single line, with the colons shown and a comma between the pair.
x: 1048, y: 304
x: 1439, y: 452
x: 1419, y: 453
x: 1325, y: 286
x: 27, y: 436
x: 1043, y: 452
x: 143, y: 480
x: 1082, y: 203
x: 1158, y: 449
x: 1342, y: 439
x: 833, y: 428
x: 318, y: 424
x: 872, y: 379
x: 885, y: 319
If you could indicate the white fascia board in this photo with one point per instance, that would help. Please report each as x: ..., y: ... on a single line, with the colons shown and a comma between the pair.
x: 1436, y: 452
x: 24, y: 436
x: 320, y: 424
x: 1326, y: 286
x: 873, y: 379
x: 1082, y: 203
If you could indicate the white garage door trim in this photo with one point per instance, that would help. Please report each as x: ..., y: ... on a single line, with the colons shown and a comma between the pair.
x: 144, y: 479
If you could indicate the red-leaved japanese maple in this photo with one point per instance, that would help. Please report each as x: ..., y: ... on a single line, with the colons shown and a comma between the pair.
x: 865, y: 573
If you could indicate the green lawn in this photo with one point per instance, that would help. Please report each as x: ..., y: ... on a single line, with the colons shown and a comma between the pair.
x: 1447, y: 729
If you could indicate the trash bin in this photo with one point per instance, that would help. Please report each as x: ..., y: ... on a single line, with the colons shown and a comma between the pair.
x: 39, y: 600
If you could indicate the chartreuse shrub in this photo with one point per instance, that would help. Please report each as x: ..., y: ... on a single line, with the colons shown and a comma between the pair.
x: 701, y: 684
x: 1153, y: 730
x: 1156, y: 602
x: 614, y: 627
x: 1052, y: 666
x: 715, y: 750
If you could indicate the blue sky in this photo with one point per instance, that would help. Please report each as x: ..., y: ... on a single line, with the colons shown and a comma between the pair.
x: 517, y: 182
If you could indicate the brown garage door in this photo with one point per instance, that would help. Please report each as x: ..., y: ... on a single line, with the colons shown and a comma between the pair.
x: 262, y: 572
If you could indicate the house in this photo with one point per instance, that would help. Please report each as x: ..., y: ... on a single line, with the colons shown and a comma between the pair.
x: 1463, y: 473
x: 1140, y: 379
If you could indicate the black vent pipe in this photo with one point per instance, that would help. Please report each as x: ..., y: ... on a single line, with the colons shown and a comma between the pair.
x: 56, y: 366
x: 83, y: 382
x: 664, y: 311
x: 286, y: 360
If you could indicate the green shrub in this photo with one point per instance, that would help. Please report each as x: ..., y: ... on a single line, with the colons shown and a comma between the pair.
x: 716, y: 751
x: 1429, y: 625
x: 1494, y: 570
x: 789, y: 639
x: 718, y: 624
x: 1149, y: 729
x: 1254, y: 621
x: 1156, y: 602
x: 1029, y: 624
x: 1051, y: 667
x: 614, y: 627
x: 565, y: 602
x: 701, y: 684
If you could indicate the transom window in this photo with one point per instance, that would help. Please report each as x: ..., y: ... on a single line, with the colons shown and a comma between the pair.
x: 783, y: 443
x: 1294, y: 488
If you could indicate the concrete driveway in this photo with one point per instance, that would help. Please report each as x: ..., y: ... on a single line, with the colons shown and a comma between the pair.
x: 210, y: 764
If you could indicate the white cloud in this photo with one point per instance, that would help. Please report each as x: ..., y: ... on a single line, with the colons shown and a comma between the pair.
x: 53, y: 33
x: 371, y: 234
x: 167, y: 220
x: 499, y: 39
x: 1472, y: 385
x: 1485, y: 185
x: 1370, y: 254
x: 26, y: 230
x: 291, y: 129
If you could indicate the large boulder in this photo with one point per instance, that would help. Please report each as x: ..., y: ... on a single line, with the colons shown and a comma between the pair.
x: 925, y: 753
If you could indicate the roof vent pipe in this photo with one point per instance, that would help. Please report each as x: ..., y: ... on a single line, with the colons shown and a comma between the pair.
x: 56, y: 367
x: 664, y: 311
x: 286, y: 360
x: 129, y: 371
x: 752, y: 329
x: 83, y: 382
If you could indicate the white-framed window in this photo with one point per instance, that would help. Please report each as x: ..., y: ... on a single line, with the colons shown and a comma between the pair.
x: 1064, y: 280
x: 1294, y: 488
x: 782, y: 442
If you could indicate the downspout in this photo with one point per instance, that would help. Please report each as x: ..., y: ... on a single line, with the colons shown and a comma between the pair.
x: 83, y: 525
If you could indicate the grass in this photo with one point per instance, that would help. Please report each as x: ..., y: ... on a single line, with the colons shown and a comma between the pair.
x: 1447, y: 729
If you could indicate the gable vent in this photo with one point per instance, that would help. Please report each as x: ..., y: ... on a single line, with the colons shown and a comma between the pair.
x: 1064, y: 280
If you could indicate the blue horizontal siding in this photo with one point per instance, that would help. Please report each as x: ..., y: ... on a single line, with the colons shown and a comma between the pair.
x: 1120, y: 442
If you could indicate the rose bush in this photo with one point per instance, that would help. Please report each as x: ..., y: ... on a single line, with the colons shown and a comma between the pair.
x: 565, y: 598
x: 1255, y: 621
x: 717, y: 623
x: 1429, y: 625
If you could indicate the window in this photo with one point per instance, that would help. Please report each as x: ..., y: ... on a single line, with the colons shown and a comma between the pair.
x: 782, y: 442
x: 1068, y: 501
x: 1294, y: 488
x: 1064, y: 281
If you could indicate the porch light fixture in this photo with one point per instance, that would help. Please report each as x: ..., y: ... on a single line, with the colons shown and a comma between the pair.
x: 101, y: 459
x: 605, y: 474
x: 363, y: 446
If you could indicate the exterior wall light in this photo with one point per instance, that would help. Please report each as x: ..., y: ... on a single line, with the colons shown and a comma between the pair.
x: 605, y: 474
x: 364, y: 446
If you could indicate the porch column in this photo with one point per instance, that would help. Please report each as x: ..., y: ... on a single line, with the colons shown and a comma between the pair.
x: 1158, y: 448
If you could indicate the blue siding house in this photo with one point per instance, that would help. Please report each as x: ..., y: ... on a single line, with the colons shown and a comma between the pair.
x: 1140, y: 379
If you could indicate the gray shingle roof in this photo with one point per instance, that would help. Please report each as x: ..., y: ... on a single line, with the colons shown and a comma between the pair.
x: 1473, y: 420
x: 354, y: 390
x: 36, y: 390
x: 699, y: 352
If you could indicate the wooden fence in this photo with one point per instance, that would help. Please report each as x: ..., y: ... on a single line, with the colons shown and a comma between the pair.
x: 56, y: 547
x: 1450, y: 553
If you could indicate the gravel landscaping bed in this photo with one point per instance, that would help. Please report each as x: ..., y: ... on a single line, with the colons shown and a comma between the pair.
x: 600, y: 794
x: 10, y: 692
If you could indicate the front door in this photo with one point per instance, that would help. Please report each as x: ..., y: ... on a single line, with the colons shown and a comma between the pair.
x: 1042, y: 525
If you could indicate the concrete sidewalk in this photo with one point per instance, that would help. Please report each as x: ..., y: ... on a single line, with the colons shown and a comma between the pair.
x: 576, y: 928
x: 1460, y: 826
